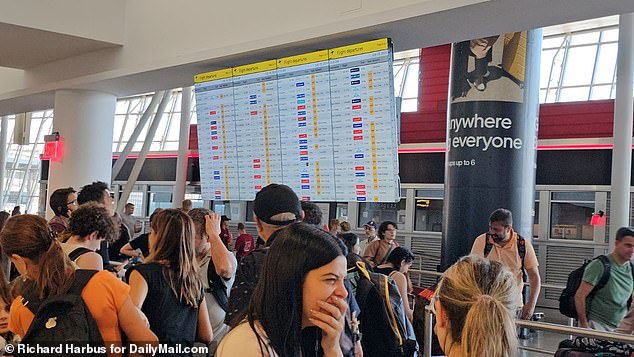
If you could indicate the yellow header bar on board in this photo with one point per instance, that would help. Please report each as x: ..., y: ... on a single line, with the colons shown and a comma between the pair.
x: 255, y: 68
x: 305, y: 58
x: 214, y: 75
x: 359, y: 48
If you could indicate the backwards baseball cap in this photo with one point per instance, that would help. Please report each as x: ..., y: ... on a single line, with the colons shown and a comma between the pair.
x: 370, y: 224
x: 275, y: 199
x: 224, y: 218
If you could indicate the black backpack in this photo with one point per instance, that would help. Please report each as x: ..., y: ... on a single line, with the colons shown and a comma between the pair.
x: 64, y: 319
x: 217, y: 286
x: 567, y: 297
x: 385, y: 331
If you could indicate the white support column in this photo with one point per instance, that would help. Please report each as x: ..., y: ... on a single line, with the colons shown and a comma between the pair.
x: 178, y: 194
x: 623, y: 111
x: 4, y: 123
x: 85, y: 121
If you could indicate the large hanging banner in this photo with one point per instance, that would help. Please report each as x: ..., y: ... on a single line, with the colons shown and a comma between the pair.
x: 491, y: 138
x: 324, y: 123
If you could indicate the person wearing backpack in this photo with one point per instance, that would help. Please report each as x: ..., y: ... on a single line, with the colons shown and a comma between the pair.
x: 217, y: 269
x: 48, y: 279
x: 610, y: 303
x: 501, y: 243
x: 88, y: 226
x: 397, y: 267
x: 475, y: 304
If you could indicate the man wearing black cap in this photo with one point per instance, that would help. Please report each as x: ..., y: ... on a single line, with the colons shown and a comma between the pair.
x: 225, y: 235
x: 275, y: 207
x: 370, y: 233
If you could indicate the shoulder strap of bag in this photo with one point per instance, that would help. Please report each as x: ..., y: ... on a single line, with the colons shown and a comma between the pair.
x: 78, y: 252
x: 82, y: 277
x: 387, y: 254
x: 488, y: 244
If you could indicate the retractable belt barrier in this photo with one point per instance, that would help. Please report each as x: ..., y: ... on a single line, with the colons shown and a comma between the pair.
x: 543, y: 326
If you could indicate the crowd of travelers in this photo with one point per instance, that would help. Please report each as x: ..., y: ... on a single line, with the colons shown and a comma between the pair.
x: 304, y: 286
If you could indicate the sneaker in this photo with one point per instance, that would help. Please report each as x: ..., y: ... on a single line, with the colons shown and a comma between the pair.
x: 480, y: 85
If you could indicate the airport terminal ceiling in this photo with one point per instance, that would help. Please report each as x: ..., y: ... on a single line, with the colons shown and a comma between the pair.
x: 412, y: 25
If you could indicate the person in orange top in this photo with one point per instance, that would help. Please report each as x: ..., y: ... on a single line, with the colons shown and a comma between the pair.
x: 41, y: 260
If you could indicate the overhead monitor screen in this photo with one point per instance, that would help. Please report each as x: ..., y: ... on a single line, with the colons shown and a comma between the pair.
x: 324, y: 123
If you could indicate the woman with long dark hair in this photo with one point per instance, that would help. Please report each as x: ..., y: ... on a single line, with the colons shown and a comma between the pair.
x: 301, y: 286
x: 397, y: 267
x: 167, y: 286
x: 48, y: 272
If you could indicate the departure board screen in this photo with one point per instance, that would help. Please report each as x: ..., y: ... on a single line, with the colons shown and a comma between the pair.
x: 324, y: 123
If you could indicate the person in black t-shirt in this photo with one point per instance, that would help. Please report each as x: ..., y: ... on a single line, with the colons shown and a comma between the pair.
x: 275, y: 207
x: 167, y: 288
x: 141, y: 243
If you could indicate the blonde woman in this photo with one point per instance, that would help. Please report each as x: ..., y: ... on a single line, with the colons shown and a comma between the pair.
x: 475, y: 305
x: 167, y: 287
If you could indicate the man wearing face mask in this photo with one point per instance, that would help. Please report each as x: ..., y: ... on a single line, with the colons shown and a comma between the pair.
x: 501, y: 243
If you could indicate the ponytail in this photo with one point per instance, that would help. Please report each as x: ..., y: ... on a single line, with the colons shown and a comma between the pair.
x: 479, y: 296
x: 481, y: 335
x: 56, y: 274
x: 28, y: 236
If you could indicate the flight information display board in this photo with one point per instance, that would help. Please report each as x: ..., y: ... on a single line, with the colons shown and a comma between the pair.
x: 323, y: 123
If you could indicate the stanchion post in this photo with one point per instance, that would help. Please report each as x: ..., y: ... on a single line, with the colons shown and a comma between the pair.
x: 428, y: 331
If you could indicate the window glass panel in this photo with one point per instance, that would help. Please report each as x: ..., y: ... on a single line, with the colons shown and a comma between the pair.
x: 224, y: 207
x: 610, y: 35
x: 571, y: 220
x: 411, y: 82
x: 194, y: 117
x: 579, y: 66
x: 249, y: 217
x: 173, y: 134
x: 542, y: 96
x: 552, y: 42
x: 118, y: 127
x: 380, y: 212
x: 546, y: 65
x: 574, y: 94
x: 122, y: 106
x: 584, y: 38
x: 573, y: 196
x: 409, y: 105
x: 196, y: 198
x: 155, y: 146
x: 159, y: 200
x: 428, y: 215
x: 601, y: 92
x: 552, y: 96
x: 342, y: 211
x: 399, y: 75
x: 606, y: 63
x: 430, y: 193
